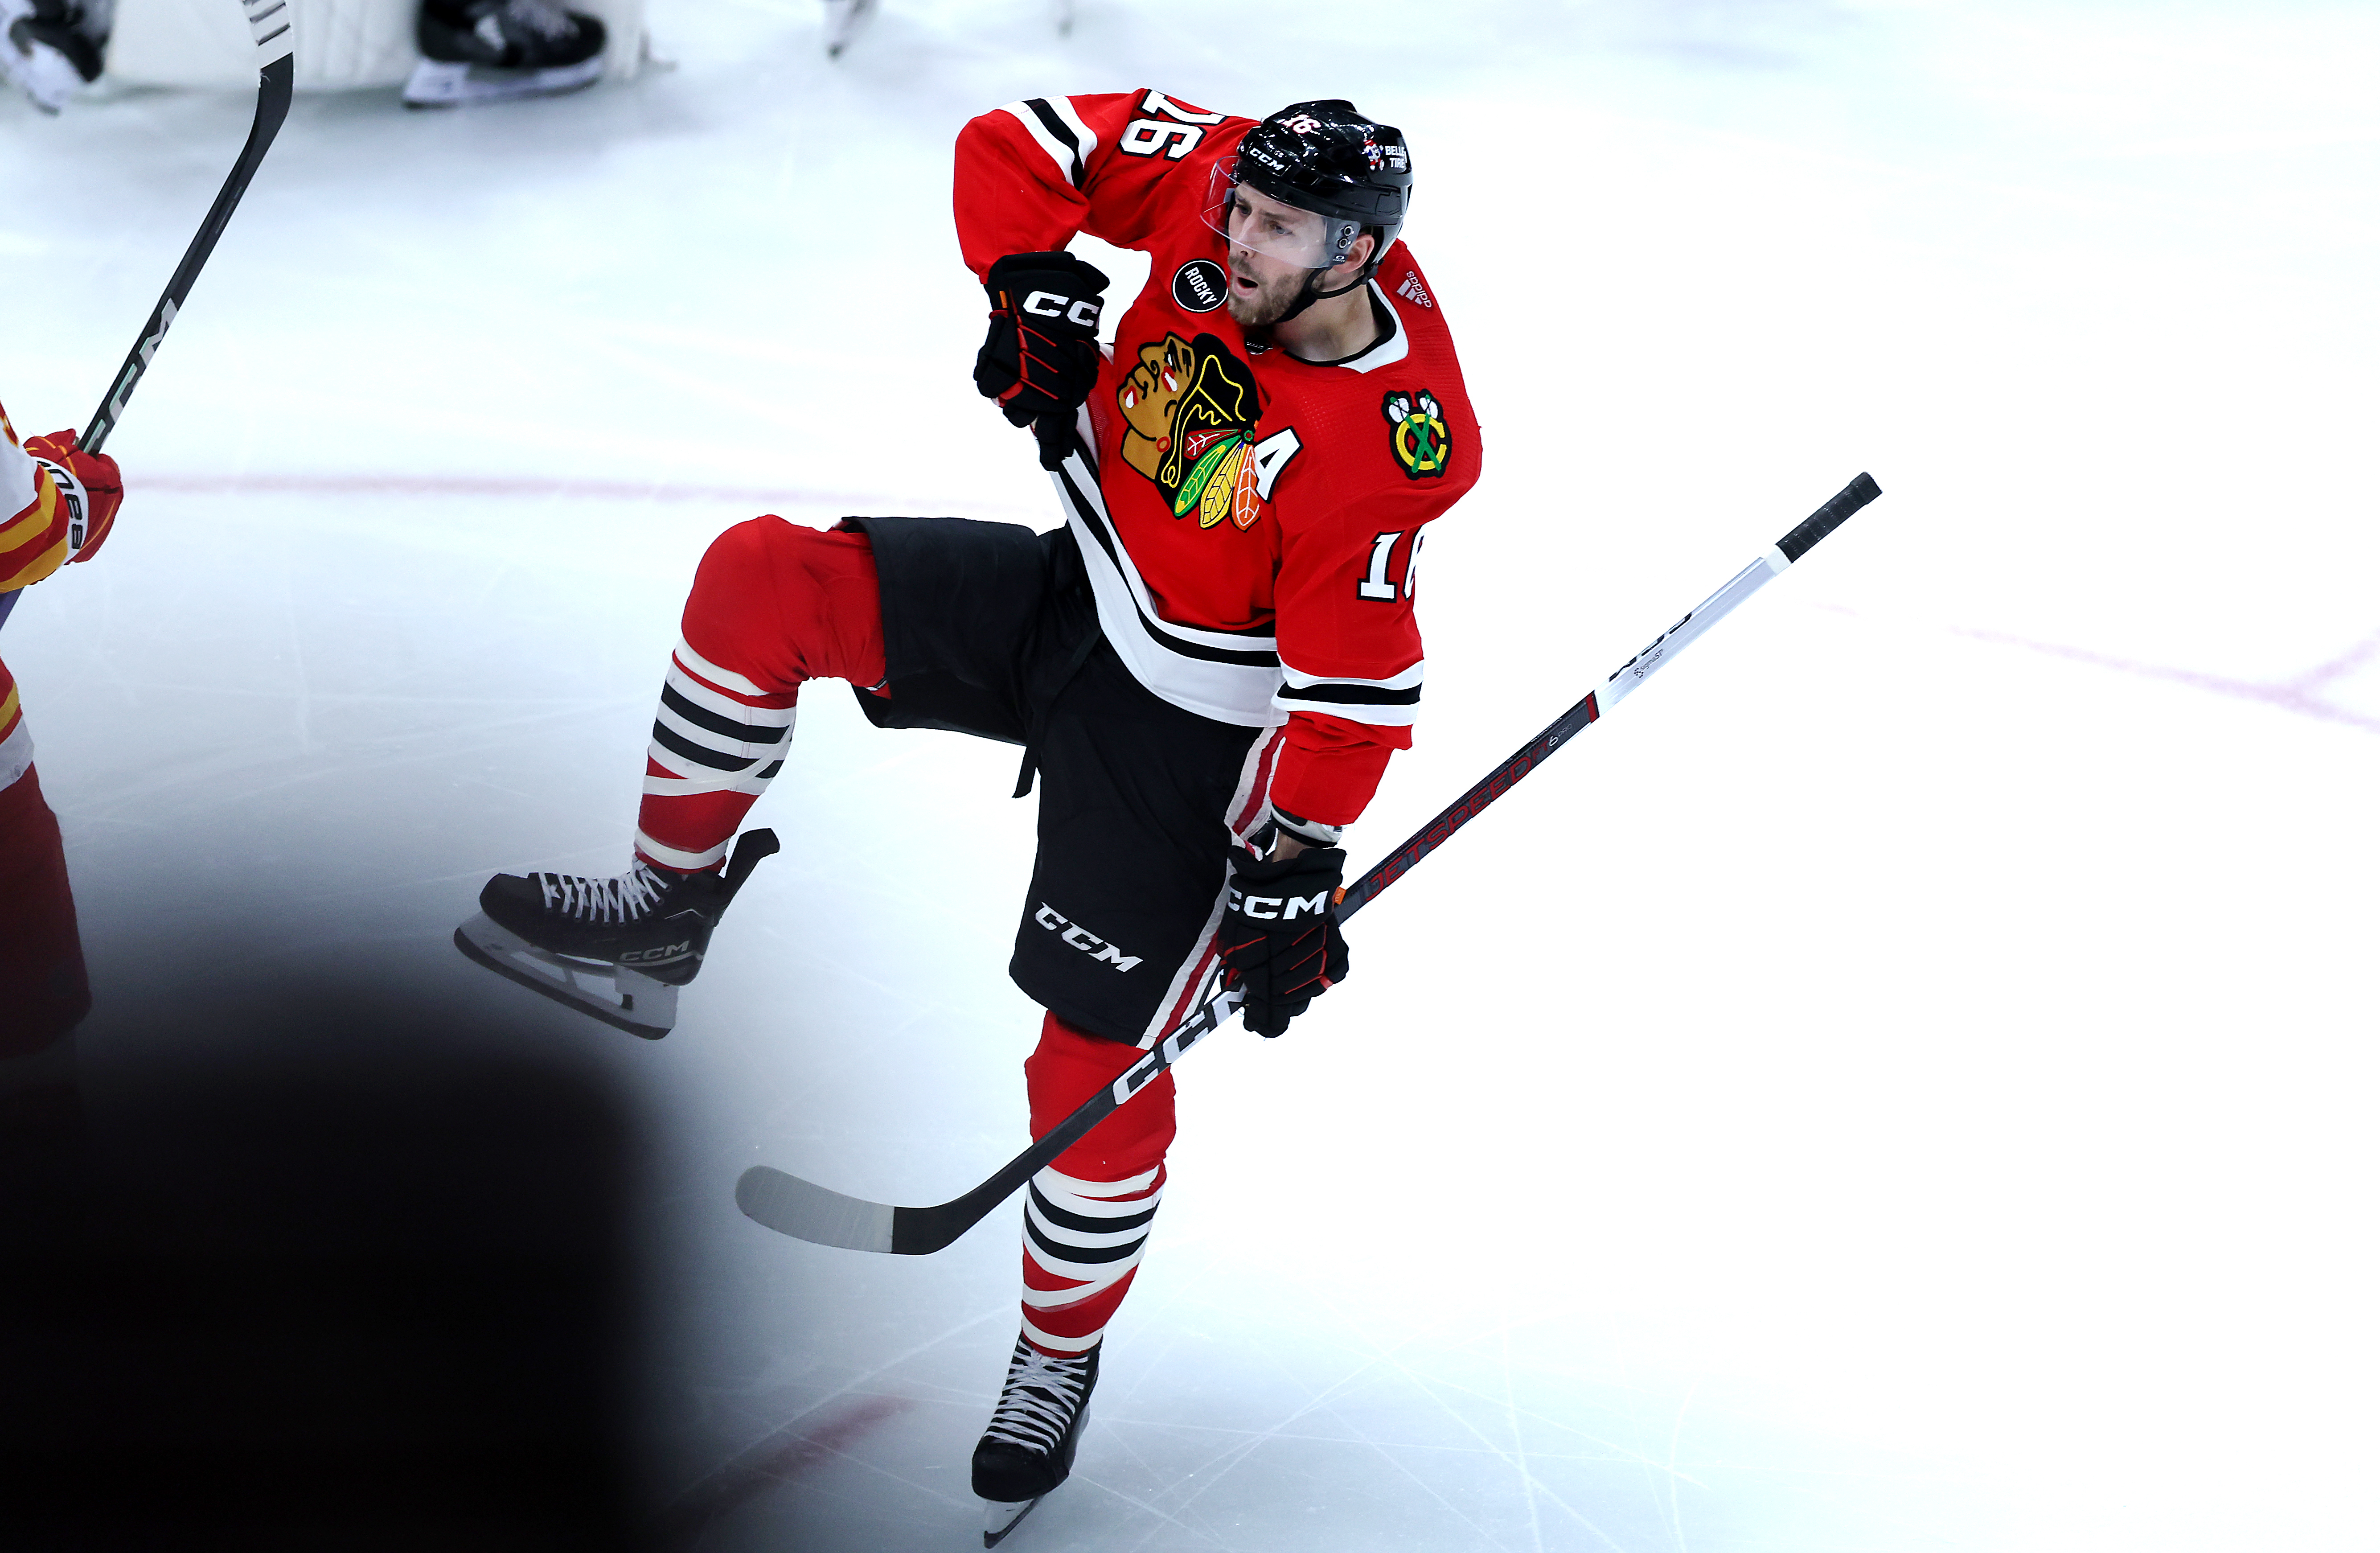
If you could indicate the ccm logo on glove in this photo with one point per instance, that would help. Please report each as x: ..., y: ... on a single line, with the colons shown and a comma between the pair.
x: 1279, y: 939
x: 1083, y: 314
x: 1280, y: 908
x: 1040, y: 352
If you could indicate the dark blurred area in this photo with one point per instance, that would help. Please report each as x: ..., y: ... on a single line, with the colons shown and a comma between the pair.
x: 315, y: 1271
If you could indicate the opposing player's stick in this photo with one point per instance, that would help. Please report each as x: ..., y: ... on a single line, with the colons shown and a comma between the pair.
x: 808, y: 1211
x: 268, y: 23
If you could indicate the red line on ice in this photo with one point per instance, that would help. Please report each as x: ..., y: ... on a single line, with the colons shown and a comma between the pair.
x: 791, y: 1452
x: 537, y: 487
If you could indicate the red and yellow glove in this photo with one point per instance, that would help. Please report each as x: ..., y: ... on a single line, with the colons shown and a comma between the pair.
x: 91, y: 488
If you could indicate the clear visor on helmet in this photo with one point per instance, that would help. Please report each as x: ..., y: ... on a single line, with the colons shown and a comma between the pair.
x: 1263, y: 225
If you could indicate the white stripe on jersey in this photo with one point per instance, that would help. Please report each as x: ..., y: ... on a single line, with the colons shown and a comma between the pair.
x: 1388, y: 351
x: 1217, y: 674
x: 1404, y: 679
x: 1057, y: 149
x: 1385, y: 703
x: 1085, y: 141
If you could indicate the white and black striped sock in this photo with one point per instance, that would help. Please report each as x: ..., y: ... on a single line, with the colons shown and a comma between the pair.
x: 712, y: 735
x: 1083, y: 1242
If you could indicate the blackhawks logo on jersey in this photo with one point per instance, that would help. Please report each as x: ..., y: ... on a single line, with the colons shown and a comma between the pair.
x: 1417, y: 433
x: 1189, y: 410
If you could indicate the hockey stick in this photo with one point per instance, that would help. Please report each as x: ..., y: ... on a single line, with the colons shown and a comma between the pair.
x: 808, y: 1211
x: 268, y: 23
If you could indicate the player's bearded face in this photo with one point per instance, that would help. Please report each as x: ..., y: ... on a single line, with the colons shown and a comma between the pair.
x: 1273, y: 248
x: 1262, y: 289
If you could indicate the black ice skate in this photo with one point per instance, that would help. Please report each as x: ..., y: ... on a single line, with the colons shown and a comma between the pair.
x: 618, y: 949
x: 1029, y: 1449
x: 488, y: 51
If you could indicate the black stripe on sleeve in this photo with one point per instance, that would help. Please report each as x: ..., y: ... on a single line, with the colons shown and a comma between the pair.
x: 1060, y: 132
x: 1334, y: 693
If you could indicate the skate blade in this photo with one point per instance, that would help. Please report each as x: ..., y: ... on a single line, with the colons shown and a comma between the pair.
x: 440, y: 84
x: 622, y: 998
x: 999, y: 1518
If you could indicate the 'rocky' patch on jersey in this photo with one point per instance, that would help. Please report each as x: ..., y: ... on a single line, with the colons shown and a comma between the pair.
x: 1198, y: 287
x: 1417, y: 433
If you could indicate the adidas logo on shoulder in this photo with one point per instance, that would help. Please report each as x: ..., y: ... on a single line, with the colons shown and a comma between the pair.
x: 1412, y: 290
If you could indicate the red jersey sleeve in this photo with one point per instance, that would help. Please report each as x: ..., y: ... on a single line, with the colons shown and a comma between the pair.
x: 1352, y: 525
x: 1351, y: 658
x: 1029, y: 176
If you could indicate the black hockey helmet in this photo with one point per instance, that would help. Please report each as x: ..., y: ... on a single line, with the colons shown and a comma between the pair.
x: 1325, y: 156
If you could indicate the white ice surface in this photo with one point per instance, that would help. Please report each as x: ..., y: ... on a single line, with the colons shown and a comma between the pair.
x: 1905, y: 1083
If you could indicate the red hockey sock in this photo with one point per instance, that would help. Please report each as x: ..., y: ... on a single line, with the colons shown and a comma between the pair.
x: 772, y: 605
x: 1086, y: 1216
x: 44, y: 993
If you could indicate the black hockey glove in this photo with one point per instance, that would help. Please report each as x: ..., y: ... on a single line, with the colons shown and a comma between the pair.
x: 1041, y: 355
x: 1280, y: 939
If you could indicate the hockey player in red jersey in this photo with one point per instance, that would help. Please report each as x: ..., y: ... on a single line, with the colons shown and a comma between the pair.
x: 1207, y: 666
x: 57, y: 505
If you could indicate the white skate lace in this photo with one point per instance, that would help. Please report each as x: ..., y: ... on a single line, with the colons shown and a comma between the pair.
x: 543, y: 17
x: 1039, y: 1404
x: 626, y: 899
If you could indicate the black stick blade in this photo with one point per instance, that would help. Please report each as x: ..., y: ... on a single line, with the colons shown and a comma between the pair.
x: 807, y: 1211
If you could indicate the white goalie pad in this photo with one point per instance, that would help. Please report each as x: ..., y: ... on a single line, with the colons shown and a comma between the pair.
x: 341, y: 44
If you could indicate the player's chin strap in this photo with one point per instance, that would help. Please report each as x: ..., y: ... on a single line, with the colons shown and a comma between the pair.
x: 1307, y: 296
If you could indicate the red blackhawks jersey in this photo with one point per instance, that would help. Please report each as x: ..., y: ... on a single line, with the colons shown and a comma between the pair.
x: 1250, y: 523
